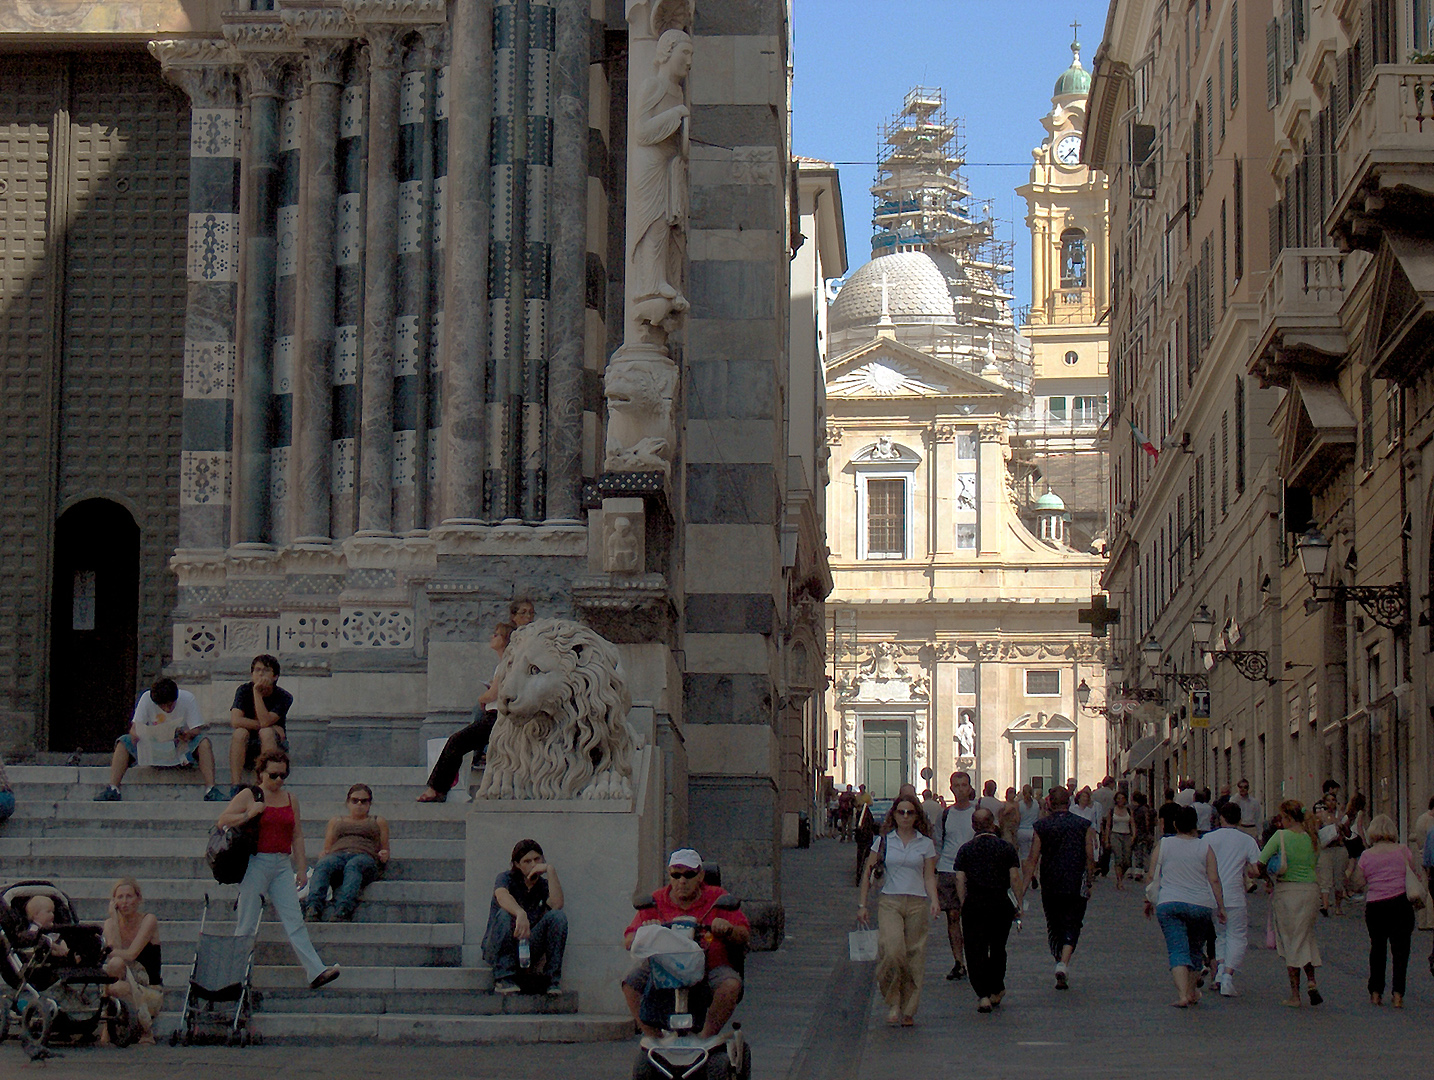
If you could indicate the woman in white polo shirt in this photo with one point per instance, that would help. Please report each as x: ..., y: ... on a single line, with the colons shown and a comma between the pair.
x: 908, y: 904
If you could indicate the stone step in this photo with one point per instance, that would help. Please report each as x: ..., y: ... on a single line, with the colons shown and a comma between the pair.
x: 428, y: 821
x: 151, y: 847
x: 425, y: 1028
x: 336, y: 998
x: 375, y: 776
x: 350, y: 944
x: 359, y: 978
x: 148, y: 867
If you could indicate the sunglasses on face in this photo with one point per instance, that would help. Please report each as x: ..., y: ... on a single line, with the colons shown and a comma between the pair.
x: 277, y: 775
x: 359, y: 800
x: 687, y: 875
x: 906, y: 813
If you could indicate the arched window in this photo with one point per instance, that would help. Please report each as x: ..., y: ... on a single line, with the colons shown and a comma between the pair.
x: 1073, y: 260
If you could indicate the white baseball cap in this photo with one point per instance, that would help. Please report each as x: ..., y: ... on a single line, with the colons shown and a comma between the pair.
x: 685, y: 857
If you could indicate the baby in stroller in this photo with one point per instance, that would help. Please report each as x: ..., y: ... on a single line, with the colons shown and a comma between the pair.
x: 53, y: 970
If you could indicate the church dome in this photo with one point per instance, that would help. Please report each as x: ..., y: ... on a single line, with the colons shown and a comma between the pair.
x: 914, y: 286
x: 1075, y: 79
x: 1050, y: 502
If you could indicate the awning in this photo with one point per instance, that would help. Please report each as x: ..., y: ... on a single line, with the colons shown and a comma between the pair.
x: 1144, y: 752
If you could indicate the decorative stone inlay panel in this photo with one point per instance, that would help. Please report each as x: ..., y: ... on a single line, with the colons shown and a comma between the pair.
x: 435, y: 343
x: 283, y: 376
x: 435, y: 444
x: 348, y: 238
x: 440, y: 210
x: 287, y: 224
x: 410, y: 98
x: 255, y: 591
x: 208, y: 369
x: 197, y: 640
x: 440, y: 94
x: 291, y: 124
x: 309, y: 631
x: 410, y: 216
x: 403, y: 458
x: 405, y: 349
x: 203, y: 478
x: 346, y: 355
x: 211, y: 133
x: 279, y: 473
x: 341, y: 467
x: 248, y: 637
x: 376, y: 628
x: 351, y: 112
x: 213, y: 247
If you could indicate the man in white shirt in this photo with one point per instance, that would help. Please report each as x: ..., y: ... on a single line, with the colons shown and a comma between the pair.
x: 1235, y: 853
x: 1204, y: 811
x: 1186, y: 795
x: 953, y: 829
x: 1104, y: 797
x: 1249, y: 809
x: 167, y: 732
x: 989, y: 800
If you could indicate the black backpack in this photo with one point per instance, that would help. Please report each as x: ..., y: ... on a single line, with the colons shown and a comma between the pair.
x: 230, y: 847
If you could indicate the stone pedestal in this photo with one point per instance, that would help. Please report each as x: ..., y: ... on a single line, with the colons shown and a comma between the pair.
x: 606, y: 851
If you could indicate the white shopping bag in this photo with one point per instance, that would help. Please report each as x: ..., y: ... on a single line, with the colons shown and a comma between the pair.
x: 863, y: 945
x: 652, y: 938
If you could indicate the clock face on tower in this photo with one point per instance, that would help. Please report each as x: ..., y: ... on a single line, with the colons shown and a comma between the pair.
x: 1068, y: 150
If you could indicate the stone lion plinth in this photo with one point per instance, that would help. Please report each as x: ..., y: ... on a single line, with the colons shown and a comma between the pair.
x: 562, y: 730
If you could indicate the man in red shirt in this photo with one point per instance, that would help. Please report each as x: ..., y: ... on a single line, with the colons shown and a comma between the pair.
x: 688, y: 896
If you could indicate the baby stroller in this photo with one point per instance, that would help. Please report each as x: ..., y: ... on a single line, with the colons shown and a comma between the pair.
x: 219, y: 1004
x: 55, y: 997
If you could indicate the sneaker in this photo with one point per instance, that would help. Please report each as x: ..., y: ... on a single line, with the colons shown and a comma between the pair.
x: 1227, y: 987
x: 554, y: 989
x: 505, y: 986
x: 328, y: 975
x: 215, y: 794
x: 109, y: 794
x: 1061, y: 982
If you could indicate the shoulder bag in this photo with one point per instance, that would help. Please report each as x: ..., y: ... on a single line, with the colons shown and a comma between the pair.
x: 230, y: 846
x: 1414, y: 886
x: 878, y: 871
x: 1280, y: 863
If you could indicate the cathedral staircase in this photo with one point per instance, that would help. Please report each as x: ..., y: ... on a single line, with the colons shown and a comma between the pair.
x: 404, y: 976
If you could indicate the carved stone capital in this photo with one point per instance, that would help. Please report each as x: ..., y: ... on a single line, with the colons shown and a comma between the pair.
x: 944, y: 433
x: 205, y: 69
x: 264, y: 74
x: 992, y: 432
x: 382, y: 42
x: 435, y: 42
x: 651, y: 18
x: 324, y: 62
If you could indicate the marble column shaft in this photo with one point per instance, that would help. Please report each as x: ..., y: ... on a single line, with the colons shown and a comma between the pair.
x: 465, y: 301
x: 567, y: 320
x: 256, y: 359
x: 380, y: 280
x: 313, y: 391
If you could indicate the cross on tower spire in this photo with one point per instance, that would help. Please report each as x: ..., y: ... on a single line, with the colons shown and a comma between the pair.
x: 1075, y: 30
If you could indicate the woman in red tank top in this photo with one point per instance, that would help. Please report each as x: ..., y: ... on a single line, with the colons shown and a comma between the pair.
x: 278, y: 868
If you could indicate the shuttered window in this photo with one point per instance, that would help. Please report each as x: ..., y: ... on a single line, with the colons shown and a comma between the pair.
x: 1239, y: 193
x: 1274, y: 77
x: 886, y: 519
x: 1234, y: 53
x: 1239, y: 435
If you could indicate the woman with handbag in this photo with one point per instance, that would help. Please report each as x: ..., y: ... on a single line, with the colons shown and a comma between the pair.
x: 902, y: 865
x: 278, y: 853
x: 1393, y: 885
x: 1333, y: 855
x: 1184, y: 895
x: 1295, y: 895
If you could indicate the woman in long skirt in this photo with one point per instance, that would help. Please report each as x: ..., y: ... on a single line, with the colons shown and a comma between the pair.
x: 1296, y: 895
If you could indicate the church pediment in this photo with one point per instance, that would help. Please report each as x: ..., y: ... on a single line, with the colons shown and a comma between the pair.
x: 889, y: 369
x: 1041, y: 725
x: 1318, y: 433
x: 1400, y: 327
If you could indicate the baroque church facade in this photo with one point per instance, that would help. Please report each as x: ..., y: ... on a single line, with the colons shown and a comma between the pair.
x: 330, y: 327
x: 964, y: 536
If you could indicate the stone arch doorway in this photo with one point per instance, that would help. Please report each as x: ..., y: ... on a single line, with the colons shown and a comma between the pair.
x: 94, y: 627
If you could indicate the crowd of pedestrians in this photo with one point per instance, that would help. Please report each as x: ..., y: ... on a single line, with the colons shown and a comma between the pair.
x: 972, y: 860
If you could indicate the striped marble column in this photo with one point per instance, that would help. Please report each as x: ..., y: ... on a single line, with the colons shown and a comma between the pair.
x: 538, y: 268
x: 376, y: 447
x: 285, y: 286
x: 213, y: 275
x: 437, y: 275
x: 348, y: 305
x: 465, y: 353
x: 313, y: 380
x: 595, y: 285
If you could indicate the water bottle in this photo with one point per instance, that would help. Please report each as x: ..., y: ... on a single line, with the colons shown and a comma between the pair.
x: 525, y: 953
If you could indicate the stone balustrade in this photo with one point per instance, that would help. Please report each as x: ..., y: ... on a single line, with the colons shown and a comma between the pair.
x: 1386, y: 143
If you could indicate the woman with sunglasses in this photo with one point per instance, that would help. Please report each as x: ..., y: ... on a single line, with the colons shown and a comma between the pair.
x: 908, y: 904
x: 355, y: 852
x: 280, y: 847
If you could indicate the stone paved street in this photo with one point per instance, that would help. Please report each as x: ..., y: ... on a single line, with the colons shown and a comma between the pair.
x: 811, y: 1015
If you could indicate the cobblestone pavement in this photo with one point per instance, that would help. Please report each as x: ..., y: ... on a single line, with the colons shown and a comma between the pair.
x: 812, y: 1015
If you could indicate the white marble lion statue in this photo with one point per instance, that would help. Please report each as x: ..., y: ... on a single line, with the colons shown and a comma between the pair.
x: 562, y: 730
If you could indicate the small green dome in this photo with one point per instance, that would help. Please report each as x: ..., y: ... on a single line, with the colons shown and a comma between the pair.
x: 1050, y: 501
x: 1075, y: 79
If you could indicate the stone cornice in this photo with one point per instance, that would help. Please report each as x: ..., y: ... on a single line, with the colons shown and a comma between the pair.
x: 318, y: 19
x: 398, y: 11
x: 561, y: 540
x: 206, y: 69
x: 262, y: 32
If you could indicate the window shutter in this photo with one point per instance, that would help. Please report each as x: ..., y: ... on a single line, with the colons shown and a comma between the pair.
x: 1239, y: 187
x: 1234, y: 52
x: 1239, y: 435
x: 1222, y: 93
x: 1224, y: 462
x: 1272, y: 64
x: 1274, y: 215
x: 1209, y: 126
x: 1287, y: 40
x: 1206, y: 331
x: 1192, y: 324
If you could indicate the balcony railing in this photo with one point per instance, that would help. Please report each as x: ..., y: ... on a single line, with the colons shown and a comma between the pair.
x: 1390, y: 130
x: 1299, y: 311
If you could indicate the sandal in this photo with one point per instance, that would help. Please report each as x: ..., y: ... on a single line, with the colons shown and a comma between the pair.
x: 429, y: 795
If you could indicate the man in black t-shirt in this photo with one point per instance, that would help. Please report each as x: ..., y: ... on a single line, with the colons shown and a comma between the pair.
x: 526, y: 911
x: 988, y: 873
x: 258, y: 715
x: 1064, y: 846
x: 1168, y: 809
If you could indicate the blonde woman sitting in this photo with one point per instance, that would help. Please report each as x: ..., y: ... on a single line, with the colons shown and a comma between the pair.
x: 132, y: 936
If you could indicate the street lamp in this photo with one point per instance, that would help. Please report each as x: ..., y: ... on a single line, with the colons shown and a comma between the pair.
x: 1251, y: 663
x: 1388, y: 605
x: 1083, y: 693
x: 1151, y: 650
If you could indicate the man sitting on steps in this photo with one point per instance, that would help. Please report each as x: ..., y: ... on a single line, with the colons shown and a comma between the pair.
x: 259, y: 712
x: 166, y: 731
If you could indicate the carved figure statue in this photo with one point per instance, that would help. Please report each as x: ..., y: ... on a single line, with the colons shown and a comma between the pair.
x: 640, y: 433
x: 622, y: 547
x: 965, y: 734
x: 562, y: 730
x: 657, y: 161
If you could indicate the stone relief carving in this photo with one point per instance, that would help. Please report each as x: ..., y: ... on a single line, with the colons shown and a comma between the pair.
x: 562, y: 730
x: 641, y: 435
x: 657, y: 188
x: 621, y: 547
x: 884, y: 450
x: 376, y: 628
x: 882, y: 677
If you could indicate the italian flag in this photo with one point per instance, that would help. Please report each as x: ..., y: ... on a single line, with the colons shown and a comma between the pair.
x: 1145, y: 444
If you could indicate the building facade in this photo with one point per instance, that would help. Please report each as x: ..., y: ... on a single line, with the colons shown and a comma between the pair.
x: 955, y: 636
x: 331, y: 326
x: 1296, y: 350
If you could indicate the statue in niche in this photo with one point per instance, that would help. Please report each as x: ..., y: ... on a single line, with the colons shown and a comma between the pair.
x: 965, y: 733
x: 658, y: 190
x: 622, y: 547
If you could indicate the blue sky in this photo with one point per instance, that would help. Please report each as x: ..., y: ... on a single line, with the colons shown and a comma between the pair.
x: 997, y: 60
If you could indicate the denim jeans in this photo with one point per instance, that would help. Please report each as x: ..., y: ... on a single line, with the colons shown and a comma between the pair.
x: 349, y: 873
x: 272, y: 875
x: 7, y: 804
x: 547, y: 941
x: 1186, y: 928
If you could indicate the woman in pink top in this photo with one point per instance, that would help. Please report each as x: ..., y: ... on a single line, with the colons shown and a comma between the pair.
x: 1387, y: 911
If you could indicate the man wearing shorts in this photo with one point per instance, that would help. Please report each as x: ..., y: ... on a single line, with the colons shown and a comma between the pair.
x: 258, y: 715
x: 166, y: 731
x: 953, y: 830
